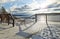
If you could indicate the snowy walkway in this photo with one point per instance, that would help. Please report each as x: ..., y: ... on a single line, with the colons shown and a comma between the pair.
x: 39, y: 31
x: 9, y: 32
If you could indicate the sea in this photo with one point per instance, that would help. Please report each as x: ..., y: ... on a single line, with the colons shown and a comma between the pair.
x: 43, y: 17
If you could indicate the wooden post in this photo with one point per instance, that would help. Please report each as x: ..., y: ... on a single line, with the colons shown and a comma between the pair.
x: 46, y: 19
x: 35, y: 17
x: 48, y: 26
x: 1, y: 18
x: 13, y: 22
x: 8, y: 19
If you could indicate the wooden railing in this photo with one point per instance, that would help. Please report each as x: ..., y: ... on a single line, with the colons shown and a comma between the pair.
x: 47, y: 14
x: 8, y: 18
x: 13, y: 17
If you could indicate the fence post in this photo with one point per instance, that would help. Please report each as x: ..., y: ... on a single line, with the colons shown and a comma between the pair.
x: 35, y: 17
x: 13, y: 22
x: 8, y: 19
x: 48, y: 26
x: 1, y: 18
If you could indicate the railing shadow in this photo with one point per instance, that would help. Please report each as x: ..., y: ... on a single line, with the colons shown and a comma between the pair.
x: 25, y: 34
x: 2, y: 28
x: 29, y: 26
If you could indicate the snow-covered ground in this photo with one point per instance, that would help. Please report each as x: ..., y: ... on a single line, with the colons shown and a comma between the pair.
x: 31, y: 30
x: 9, y: 32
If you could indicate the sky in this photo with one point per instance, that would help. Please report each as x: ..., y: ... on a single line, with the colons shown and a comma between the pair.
x: 11, y: 4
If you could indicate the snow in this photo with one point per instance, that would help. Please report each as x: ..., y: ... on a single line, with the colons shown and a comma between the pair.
x: 39, y: 30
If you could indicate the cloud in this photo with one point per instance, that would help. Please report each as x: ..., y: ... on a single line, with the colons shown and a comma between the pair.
x: 13, y: 7
x: 21, y: 8
x: 41, y: 3
x: 46, y: 3
x: 4, y: 1
x: 54, y: 4
x: 34, y: 5
x: 57, y: 5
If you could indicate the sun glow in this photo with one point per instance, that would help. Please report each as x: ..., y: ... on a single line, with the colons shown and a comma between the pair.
x: 36, y: 4
x: 43, y: 19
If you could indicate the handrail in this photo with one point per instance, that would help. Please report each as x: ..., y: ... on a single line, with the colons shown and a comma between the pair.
x: 9, y: 16
x: 46, y: 14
